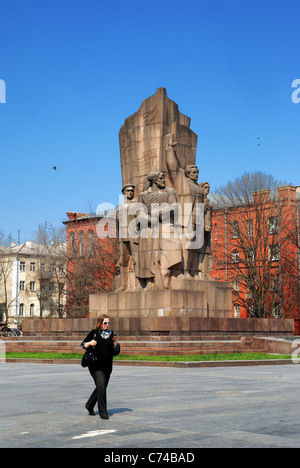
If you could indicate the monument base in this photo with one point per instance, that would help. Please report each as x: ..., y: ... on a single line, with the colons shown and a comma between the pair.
x: 187, y: 298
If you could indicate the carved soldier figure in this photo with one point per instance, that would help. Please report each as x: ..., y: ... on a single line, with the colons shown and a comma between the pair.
x: 206, y: 249
x: 127, y: 244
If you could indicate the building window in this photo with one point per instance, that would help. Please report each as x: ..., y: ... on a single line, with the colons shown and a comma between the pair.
x: 32, y: 285
x: 22, y: 266
x: 251, y: 255
x: 73, y: 243
x: 31, y: 310
x: 32, y: 266
x: 235, y: 229
x: 91, y: 242
x: 81, y: 244
x: 236, y: 285
x: 274, y: 253
x: 273, y: 227
x: 276, y: 312
x: 21, y: 310
x: 250, y: 228
x: 42, y: 266
x: 235, y: 256
x: 216, y: 231
x: 22, y: 285
x: 236, y: 310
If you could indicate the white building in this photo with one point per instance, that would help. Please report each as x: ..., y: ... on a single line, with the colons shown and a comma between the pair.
x: 32, y: 281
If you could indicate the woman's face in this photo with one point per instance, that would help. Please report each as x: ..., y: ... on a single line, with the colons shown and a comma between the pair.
x: 105, y: 324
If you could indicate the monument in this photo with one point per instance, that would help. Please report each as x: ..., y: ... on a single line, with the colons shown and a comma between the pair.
x: 164, y: 225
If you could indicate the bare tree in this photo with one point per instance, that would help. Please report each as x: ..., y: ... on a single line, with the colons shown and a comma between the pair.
x: 51, y: 251
x: 90, y: 269
x: 8, y: 298
x: 255, y: 252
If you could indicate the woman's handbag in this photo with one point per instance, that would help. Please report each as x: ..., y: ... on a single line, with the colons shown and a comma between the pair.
x: 90, y: 356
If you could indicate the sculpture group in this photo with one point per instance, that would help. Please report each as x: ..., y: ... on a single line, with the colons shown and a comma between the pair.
x: 164, y: 233
x: 164, y: 223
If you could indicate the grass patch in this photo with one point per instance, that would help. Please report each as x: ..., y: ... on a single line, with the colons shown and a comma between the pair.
x: 192, y: 358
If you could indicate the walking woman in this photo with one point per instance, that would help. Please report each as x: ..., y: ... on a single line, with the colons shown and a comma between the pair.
x: 106, y: 347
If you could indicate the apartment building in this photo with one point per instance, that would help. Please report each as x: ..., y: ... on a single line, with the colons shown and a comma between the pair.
x: 32, y: 281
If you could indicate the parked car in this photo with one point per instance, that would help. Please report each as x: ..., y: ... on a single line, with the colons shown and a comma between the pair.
x: 8, y: 331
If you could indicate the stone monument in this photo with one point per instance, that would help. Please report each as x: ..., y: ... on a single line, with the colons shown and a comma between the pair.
x: 164, y: 223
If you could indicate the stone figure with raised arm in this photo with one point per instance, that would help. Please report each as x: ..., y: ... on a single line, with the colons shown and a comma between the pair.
x: 192, y: 202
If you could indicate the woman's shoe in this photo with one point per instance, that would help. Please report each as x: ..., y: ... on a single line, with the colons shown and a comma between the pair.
x: 91, y: 412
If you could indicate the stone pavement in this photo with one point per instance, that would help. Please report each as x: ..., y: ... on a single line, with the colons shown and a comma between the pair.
x: 43, y: 406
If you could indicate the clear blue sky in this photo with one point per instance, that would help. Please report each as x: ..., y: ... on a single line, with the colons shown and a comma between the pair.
x: 74, y: 70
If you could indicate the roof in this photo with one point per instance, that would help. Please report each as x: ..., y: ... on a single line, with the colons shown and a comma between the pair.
x: 30, y: 248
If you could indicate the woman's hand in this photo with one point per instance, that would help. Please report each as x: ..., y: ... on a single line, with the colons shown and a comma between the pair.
x: 116, y: 340
x: 90, y: 343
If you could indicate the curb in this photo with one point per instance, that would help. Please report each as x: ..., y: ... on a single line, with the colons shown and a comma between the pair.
x: 176, y: 364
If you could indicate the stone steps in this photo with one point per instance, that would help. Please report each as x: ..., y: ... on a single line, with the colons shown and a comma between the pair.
x: 138, y: 347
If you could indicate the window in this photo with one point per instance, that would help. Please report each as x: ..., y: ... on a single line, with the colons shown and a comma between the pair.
x: 42, y: 266
x: 236, y: 310
x: 52, y: 287
x: 22, y: 266
x: 32, y: 285
x: 251, y: 255
x: 216, y: 231
x: 273, y: 227
x: 235, y: 256
x: 274, y: 253
x: 22, y: 285
x: 236, y: 286
x: 32, y: 266
x: 31, y: 310
x: 91, y: 242
x: 250, y: 228
x: 81, y: 244
x: 276, y: 312
x: 235, y: 229
x: 73, y: 243
x: 21, y: 310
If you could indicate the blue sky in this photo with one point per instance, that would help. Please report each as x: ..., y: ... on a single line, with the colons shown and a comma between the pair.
x: 74, y: 70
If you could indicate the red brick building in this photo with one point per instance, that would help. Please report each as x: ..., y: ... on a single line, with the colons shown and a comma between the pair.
x: 256, y: 246
x: 91, y: 260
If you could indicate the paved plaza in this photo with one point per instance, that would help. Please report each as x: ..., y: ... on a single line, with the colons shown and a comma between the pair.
x: 43, y: 406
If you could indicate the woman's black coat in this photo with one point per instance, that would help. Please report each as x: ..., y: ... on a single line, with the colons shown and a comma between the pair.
x: 105, y: 349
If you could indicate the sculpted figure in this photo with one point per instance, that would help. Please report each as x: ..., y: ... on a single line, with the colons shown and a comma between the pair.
x: 206, y: 249
x: 159, y: 250
x: 127, y: 245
